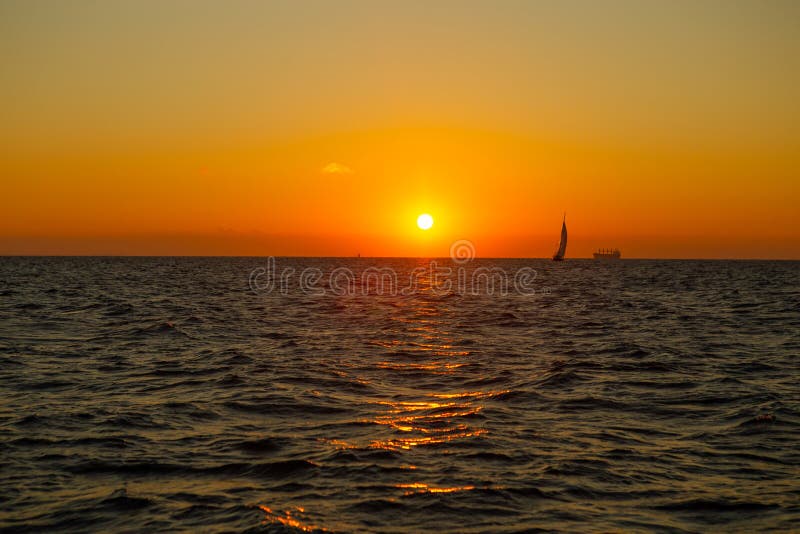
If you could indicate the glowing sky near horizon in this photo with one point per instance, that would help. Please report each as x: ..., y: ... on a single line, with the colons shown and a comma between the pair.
x: 667, y: 129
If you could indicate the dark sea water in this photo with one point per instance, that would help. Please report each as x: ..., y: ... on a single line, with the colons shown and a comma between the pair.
x: 166, y: 394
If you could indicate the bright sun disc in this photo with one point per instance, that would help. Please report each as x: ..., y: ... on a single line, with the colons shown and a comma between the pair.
x: 424, y: 221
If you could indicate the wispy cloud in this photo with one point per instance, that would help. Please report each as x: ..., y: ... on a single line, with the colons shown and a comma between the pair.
x: 336, y: 168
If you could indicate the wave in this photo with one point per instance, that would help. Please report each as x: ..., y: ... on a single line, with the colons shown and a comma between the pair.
x: 161, y: 394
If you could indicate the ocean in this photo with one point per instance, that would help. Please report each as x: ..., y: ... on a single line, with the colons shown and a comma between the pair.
x: 398, y: 395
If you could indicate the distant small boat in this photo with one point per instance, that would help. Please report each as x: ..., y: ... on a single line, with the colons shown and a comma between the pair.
x: 562, y: 246
x: 607, y: 254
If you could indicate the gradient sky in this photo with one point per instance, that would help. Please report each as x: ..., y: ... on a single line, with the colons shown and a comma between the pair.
x: 667, y: 129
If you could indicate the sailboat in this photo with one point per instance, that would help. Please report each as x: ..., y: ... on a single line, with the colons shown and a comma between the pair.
x: 562, y: 246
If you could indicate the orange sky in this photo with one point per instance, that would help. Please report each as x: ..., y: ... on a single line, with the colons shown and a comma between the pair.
x: 325, y: 128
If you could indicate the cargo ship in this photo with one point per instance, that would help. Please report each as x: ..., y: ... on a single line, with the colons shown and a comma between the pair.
x: 607, y: 254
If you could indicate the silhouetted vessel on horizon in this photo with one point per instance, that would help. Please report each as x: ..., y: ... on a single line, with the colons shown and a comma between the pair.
x: 607, y: 254
x: 562, y: 246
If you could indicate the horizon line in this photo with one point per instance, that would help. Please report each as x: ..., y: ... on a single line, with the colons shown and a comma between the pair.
x: 545, y: 258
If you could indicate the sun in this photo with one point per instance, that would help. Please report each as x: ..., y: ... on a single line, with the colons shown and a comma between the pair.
x: 424, y: 221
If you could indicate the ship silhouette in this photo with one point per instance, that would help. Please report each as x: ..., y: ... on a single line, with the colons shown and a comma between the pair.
x: 607, y: 254
x: 562, y: 246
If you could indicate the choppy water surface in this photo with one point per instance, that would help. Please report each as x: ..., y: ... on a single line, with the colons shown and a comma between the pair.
x: 164, y: 394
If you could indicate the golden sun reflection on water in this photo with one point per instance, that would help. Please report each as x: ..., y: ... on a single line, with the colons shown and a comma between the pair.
x: 420, y: 365
x: 420, y: 487
x: 409, y: 443
x: 421, y: 351
x: 435, y: 367
x: 288, y: 518
x: 438, y: 419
